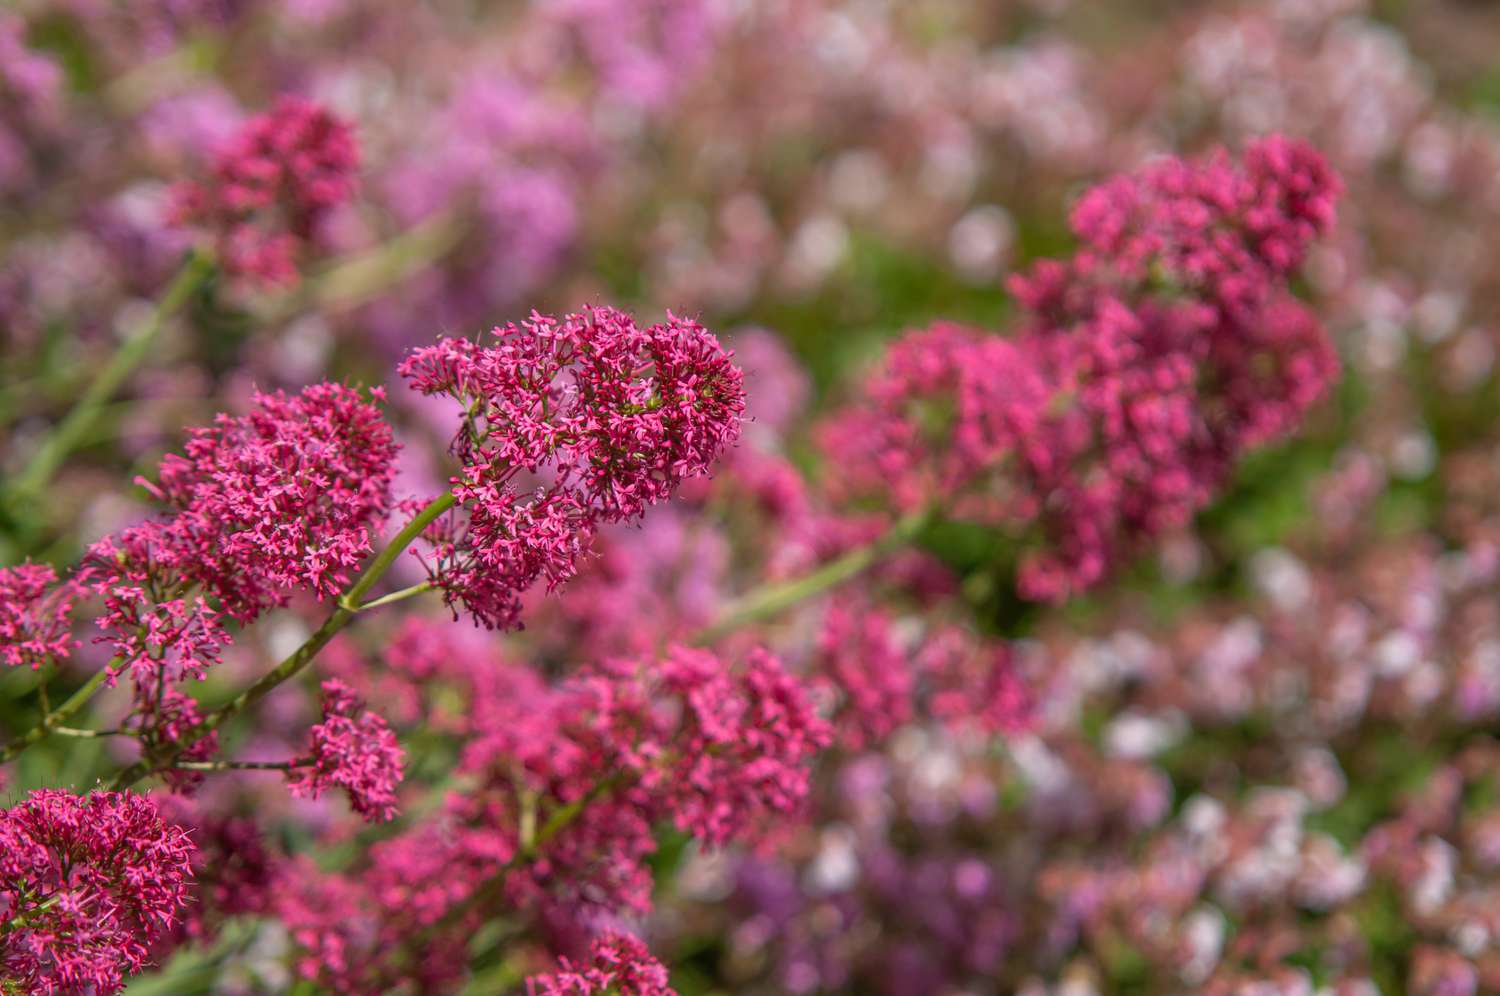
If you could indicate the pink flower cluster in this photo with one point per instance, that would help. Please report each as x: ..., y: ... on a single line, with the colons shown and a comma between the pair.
x: 862, y: 661
x: 618, y: 965
x: 1168, y: 345
x: 601, y: 416
x: 257, y: 506
x: 945, y: 415
x: 352, y: 749
x: 974, y: 682
x: 880, y: 685
x: 234, y: 870
x: 283, y: 497
x: 716, y: 750
x: 86, y: 884
x: 35, y: 621
x: 568, y: 784
x: 271, y: 186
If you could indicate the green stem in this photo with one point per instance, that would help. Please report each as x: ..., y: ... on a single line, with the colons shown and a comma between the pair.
x: 395, y: 548
x: 24, y: 918
x: 353, y: 280
x: 396, y: 596
x: 348, y: 605
x: 238, y: 765
x: 772, y: 600
x: 54, y: 718
x: 68, y: 731
x: 73, y: 429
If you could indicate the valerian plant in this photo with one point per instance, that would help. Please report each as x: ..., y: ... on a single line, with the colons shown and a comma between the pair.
x: 1140, y: 372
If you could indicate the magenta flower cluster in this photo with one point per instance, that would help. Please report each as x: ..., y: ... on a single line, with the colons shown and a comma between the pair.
x: 35, y: 617
x: 879, y: 683
x: 1144, y: 366
x: 723, y: 752
x: 567, y: 424
x: 717, y: 751
x: 271, y: 186
x: 86, y: 884
x: 284, y: 497
x: 352, y: 749
x: 618, y: 965
x: 257, y: 506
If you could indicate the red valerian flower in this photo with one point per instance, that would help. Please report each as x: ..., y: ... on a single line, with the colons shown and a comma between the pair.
x: 259, y: 505
x: 352, y: 749
x: 720, y: 750
x: 35, y: 620
x: 86, y: 884
x: 1146, y: 365
x: 285, y: 496
x: 271, y: 186
x: 567, y: 424
x: 618, y: 965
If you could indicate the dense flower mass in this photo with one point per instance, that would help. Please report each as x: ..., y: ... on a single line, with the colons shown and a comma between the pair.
x: 352, y: 749
x: 861, y: 659
x: 86, y: 884
x: 618, y: 965
x: 718, y: 750
x: 1147, y: 363
x: 567, y: 424
x: 568, y: 784
x: 271, y: 186
x: 256, y: 507
x: 284, y: 497
x: 35, y: 617
x: 984, y: 658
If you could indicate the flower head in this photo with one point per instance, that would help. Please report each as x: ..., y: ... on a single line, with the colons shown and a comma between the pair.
x: 602, y: 416
x: 256, y: 506
x: 271, y: 185
x: 34, y: 617
x: 86, y: 884
x: 619, y: 965
x: 352, y: 749
x: 283, y: 497
x: 1146, y: 365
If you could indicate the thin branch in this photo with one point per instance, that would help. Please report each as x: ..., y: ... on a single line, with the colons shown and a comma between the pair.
x: 348, y: 605
x: 65, y: 438
x: 396, y: 596
x: 772, y: 600
x: 239, y: 765
x: 69, y: 731
x: 54, y: 718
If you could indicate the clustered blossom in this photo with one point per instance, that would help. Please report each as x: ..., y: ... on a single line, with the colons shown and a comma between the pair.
x: 35, y: 617
x: 86, y: 884
x: 601, y: 416
x: 271, y: 186
x: 618, y: 965
x: 283, y: 497
x: 880, y: 684
x: 234, y: 869
x: 860, y: 657
x: 257, y: 506
x: 604, y: 757
x: 950, y: 412
x: 352, y: 749
x: 1146, y: 364
x: 974, y: 682
x: 165, y: 719
x: 730, y: 753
